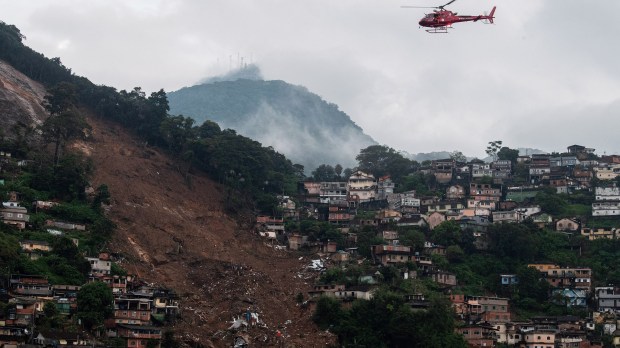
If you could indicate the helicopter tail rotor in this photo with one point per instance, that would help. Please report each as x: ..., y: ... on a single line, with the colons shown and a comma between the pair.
x: 491, y: 15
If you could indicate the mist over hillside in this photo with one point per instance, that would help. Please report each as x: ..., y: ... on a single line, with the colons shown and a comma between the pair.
x: 291, y: 119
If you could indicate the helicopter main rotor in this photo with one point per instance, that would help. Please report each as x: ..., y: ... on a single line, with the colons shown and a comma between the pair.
x: 438, y: 7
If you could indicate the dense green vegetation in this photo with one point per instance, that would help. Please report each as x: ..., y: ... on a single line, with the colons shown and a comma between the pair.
x: 387, y: 321
x: 65, y: 182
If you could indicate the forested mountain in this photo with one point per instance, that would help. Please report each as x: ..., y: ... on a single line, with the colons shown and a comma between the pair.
x: 291, y: 119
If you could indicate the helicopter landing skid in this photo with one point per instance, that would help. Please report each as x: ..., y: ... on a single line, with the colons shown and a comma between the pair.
x: 439, y: 30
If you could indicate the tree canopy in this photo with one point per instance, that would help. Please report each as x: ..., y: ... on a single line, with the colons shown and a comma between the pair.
x: 382, y: 160
x: 95, y: 303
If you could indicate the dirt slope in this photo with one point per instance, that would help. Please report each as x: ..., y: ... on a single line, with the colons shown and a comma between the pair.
x: 178, y: 236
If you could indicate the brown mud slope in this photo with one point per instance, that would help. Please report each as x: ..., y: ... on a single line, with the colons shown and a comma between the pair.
x: 176, y: 235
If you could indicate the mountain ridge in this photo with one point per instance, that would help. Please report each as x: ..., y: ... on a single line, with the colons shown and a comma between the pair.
x: 291, y: 119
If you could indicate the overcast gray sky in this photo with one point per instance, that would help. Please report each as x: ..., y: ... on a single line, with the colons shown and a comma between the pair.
x: 546, y: 75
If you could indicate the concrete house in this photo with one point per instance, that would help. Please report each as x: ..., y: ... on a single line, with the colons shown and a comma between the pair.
x: 539, y: 338
x: 611, y: 193
x: 385, y: 187
x: 567, y: 224
x: 30, y: 285
x: 332, y: 190
x: 137, y: 336
x: 479, y: 170
x: 325, y: 290
x: 132, y: 310
x: 361, y: 187
x: 563, y: 161
x: 359, y: 292
x: 435, y: 219
x: 569, y: 277
x: 509, y: 279
x: 100, y: 266
x: 569, y: 297
x: 455, y: 192
x: 34, y: 249
x: 608, y: 208
x: 607, y: 171
x: 443, y: 170
x: 607, y: 299
x: 444, y: 207
x: 13, y: 214
x: 479, y: 335
x: 443, y: 278
x: 391, y: 254
x: 599, y: 233
x: 484, y: 192
x: 514, y: 216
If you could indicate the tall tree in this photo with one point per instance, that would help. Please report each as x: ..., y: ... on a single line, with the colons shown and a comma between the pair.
x: 338, y: 169
x: 508, y: 154
x: 177, y: 132
x: 458, y: 156
x: 65, y: 122
x: 493, y: 148
x: 324, y: 172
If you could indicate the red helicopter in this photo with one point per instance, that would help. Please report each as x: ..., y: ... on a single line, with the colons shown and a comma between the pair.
x: 441, y: 19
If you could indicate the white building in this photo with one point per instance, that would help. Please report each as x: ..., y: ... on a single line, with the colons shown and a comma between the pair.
x: 605, y: 208
x: 361, y: 187
x: 607, y: 193
x: 100, y: 266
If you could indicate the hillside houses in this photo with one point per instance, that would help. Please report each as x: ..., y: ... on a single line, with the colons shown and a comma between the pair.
x: 470, y: 192
x: 479, y: 198
x: 137, y: 309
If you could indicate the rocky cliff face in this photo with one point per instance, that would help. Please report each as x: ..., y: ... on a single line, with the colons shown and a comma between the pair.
x: 20, y: 101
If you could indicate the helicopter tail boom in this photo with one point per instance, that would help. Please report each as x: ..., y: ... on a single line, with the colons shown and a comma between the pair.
x: 491, y: 15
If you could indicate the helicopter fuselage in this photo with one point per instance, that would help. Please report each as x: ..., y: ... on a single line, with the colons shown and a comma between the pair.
x: 445, y: 18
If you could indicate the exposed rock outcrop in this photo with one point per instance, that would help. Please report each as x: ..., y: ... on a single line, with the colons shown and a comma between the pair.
x: 20, y: 101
